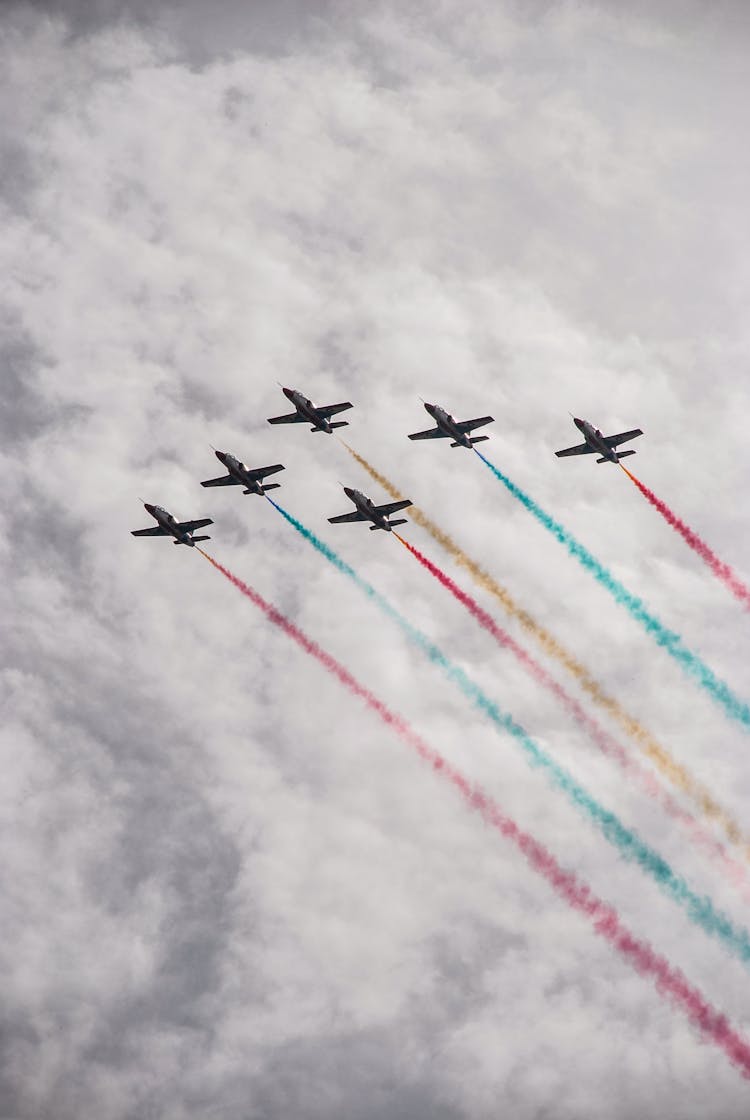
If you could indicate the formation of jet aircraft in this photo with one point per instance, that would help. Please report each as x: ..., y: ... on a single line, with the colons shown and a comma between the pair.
x: 167, y: 526
x: 252, y: 479
x: 366, y: 510
x: 597, y: 444
x: 308, y: 413
x: 450, y: 428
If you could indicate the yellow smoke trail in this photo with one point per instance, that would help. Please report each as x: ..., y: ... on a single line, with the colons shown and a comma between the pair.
x: 661, y: 758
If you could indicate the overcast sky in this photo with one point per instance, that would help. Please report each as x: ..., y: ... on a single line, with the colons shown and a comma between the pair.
x: 228, y: 891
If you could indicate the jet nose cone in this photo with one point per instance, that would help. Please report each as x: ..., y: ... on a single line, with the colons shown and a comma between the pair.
x: 287, y: 392
x: 148, y: 507
x: 577, y: 421
x: 220, y: 455
x: 348, y: 491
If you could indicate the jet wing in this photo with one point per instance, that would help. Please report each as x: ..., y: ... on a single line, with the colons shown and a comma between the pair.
x: 225, y: 480
x: 465, y: 426
x: 261, y: 472
x: 623, y: 437
x: 328, y: 410
x: 433, y: 433
x: 289, y: 418
x: 343, y: 517
x: 579, y: 449
x: 392, y: 507
x: 191, y: 526
x: 155, y: 531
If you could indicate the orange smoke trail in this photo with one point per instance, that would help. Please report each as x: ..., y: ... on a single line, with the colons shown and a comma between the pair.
x: 674, y: 771
x: 604, y: 919
x: 609, y: 746
x: 698, y: 545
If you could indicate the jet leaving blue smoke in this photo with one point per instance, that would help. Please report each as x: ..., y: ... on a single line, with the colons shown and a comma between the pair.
x: 671, y: 642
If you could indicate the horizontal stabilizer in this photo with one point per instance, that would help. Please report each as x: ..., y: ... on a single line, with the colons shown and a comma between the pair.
x: 272, y: 486
x: 477, y: 439
x: 399, y: 521
x: 604, y: 460
x: 622, y: 454
x: 340, y: 424
x: 204, y: 538
x: 373, y: 528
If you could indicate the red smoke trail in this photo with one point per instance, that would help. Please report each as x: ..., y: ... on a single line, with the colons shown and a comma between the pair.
x: 717, y: 566
x: 606, y: 743
x: 604, y: 918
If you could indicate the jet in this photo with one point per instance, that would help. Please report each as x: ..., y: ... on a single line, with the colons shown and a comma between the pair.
x: 182, y: 531
x: 308, y: 413
x: 367, y: 511
x: 597, y: 444
x: 450, y: 428
x: 240, y: 475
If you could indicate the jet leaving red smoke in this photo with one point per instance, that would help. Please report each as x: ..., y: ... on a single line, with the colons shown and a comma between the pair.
x: 604, y: 918
x: 717, y: 566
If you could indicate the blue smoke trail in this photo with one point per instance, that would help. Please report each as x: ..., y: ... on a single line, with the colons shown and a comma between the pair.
x: 671, y: 642
x: 628, y: 843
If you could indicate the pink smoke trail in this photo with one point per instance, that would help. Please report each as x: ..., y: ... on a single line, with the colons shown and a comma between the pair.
x: 729, y: 578
x: 669, y: 980
x: 604, y: 741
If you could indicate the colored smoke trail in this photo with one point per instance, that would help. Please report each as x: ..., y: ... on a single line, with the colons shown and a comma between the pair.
x: 624, y: 840
x: 604, y: 918
x: 607, y: 745
x: 674, y: 771
x: 669, y: 641
x: 717, y: 566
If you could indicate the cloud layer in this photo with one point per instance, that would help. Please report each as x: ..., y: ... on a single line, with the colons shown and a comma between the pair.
x: 227, y: 891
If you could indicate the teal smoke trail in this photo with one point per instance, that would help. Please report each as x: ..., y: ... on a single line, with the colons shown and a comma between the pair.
x: 671, y: 642
x: 701, y: 911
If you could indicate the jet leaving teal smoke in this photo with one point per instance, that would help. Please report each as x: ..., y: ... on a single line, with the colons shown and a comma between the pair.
x: 671, y: 642
x: 628, y: 843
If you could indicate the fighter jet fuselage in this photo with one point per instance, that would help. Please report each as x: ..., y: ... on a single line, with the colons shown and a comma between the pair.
x: 449, y: 428
x: 318, y: 416
x: 599, y: 444
x: 595, y: 439
x: 240, y: 472
x: 168, y: 526
x: 448, y: 424
x: 306, y: 407
x: 368, y: 508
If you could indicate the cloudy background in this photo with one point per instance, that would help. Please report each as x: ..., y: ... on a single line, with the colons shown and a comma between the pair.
x: 227, y: 890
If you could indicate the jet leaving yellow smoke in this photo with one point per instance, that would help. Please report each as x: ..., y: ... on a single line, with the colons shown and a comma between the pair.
x: 661, y: 758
